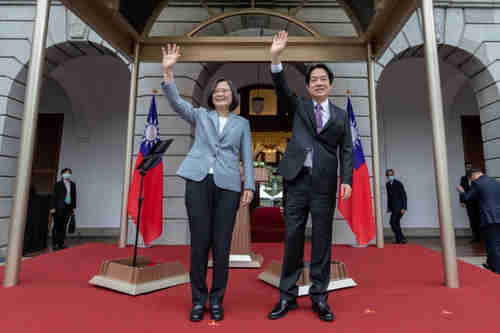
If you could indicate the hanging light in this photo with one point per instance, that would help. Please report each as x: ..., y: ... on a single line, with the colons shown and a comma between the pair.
x: 258, y: 101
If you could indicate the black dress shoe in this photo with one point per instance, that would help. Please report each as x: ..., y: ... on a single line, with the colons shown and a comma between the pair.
x: 62, y: 247
x: 197, y: 312
x: 323, y: 311
x: 485, y: 265
x: 216, y: 312
x: 282, y: 308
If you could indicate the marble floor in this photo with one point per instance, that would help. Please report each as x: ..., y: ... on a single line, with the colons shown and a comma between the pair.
x: 473, y: 253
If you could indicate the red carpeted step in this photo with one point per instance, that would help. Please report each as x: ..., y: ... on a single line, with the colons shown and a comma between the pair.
x: 400, y: 290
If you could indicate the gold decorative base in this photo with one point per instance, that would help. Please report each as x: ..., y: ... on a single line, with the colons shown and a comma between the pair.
x: 120, y: 275
x: 339, y: 278
x: 251, y: 260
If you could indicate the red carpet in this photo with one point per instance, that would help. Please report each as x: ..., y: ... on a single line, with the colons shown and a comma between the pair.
x: 400, y: 290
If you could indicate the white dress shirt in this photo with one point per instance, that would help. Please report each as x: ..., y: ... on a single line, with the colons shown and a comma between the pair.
x: 222, y: 123
x: 325, y: 114
x: 67, y: 184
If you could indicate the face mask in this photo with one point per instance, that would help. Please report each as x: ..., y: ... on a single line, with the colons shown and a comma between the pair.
x: 66, y: 175
x: 390, y: 178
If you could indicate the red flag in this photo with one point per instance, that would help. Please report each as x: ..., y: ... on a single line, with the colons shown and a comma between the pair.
x: 151, y: 225
x: 358, y: 210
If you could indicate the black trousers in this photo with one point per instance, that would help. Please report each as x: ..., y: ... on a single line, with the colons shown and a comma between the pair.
x: 300, y: 201
x: 60, y: 224
x: 396, y: 225
x: 492, y: 232
x: 211, y: 211
x: 474, y: 220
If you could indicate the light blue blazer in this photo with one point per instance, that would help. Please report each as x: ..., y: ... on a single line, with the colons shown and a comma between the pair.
x: 211, y: 150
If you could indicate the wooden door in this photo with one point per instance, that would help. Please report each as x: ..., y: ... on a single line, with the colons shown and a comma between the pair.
x: 46, y: 152
x: 473, y: 142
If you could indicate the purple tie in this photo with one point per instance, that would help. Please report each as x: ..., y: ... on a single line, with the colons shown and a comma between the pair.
x: 319, y: 120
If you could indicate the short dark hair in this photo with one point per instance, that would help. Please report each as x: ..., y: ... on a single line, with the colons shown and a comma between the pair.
x: 235, y: 100
x: 389, y: 170
x: 468, y: 162
x: 474, y: 170
x: 323, y: 66
x: 66, y: 169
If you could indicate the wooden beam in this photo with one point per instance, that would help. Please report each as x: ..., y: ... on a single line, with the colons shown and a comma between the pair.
x: 99, y: 16
x: 354, y: 19
x: 256, y: 49
x: 119, y: 20
x: 154, y: 16
x: 383, y: 9
x: 390, y: 18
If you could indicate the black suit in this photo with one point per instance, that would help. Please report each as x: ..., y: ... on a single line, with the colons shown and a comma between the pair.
x: 311, y: 190
x: 63, y: 211
x: 472, y: 207
x: 396, y: 201
x: 486, y: 191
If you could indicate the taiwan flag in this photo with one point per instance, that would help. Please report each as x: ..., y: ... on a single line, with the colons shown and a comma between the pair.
x: 357, y: 210
x: 151, y: 225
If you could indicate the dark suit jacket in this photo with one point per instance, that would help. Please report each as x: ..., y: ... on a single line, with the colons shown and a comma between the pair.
x: 486, y: 191
x: 336, y: 134
x: 396, y: 196
x: 464, y: 182
x: 59, y: 196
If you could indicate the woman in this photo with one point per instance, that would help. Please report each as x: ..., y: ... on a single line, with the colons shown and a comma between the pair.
x: 213, y: 185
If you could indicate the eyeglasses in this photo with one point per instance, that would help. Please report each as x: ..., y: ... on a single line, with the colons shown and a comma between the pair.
x: 222, y: 90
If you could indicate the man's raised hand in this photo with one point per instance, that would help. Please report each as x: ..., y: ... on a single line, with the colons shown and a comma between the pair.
x: 279, y: 43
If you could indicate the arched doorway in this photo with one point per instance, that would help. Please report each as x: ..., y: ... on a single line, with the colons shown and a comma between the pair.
x: 82, y: 126
x: 406, y: 135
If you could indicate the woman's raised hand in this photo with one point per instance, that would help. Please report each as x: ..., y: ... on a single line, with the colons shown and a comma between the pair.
x: 170, y: 55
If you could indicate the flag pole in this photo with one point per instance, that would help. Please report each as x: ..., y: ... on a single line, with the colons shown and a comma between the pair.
x: 129, y: 146
x: 377, y: 195
x: 28, y: 136
x: 439, y: 145
x: 138, y: 222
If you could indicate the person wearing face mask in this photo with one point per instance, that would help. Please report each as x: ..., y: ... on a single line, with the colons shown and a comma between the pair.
x: 486, y: 191
x: 213, y: 182
x: 472, y: 206
x: 63, y: 205
x: 396, y: 205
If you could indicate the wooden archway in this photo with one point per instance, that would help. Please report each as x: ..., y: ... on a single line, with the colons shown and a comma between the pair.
x: 252, y: 11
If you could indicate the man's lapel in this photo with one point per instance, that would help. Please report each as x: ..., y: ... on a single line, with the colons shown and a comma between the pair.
x: 308, y: 113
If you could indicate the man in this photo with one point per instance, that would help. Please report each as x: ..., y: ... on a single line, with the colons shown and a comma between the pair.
x: 472, y: 206
x: 63, y: 205
x: 486, y: 191
x: 309, y: 167
x: 396, y: 205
